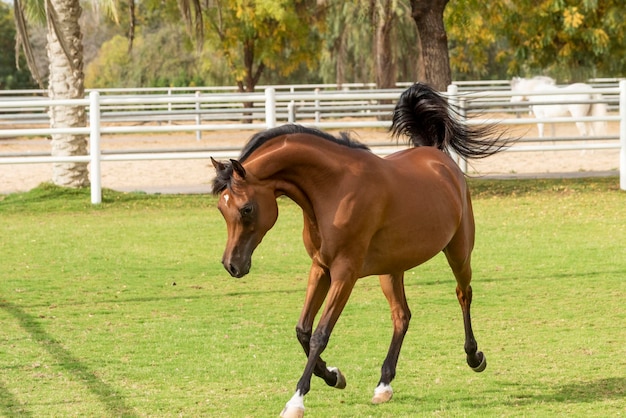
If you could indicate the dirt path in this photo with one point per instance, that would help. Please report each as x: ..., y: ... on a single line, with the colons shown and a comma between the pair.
x: 195, y: 175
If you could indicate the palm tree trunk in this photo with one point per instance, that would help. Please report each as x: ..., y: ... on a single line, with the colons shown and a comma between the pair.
x: 66, y: 82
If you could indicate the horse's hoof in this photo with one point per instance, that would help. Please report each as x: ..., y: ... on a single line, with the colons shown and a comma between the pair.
x: 341, y: 379
x: 483, y: 363
x: 382, y: 394
x: 292, y: 412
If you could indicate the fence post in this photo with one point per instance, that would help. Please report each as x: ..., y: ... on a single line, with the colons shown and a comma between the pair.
x: 198, y: 118
x: 453, y: 101
x: 622, y: 134
x: 270, y: 107
x: 291, y: 112
x: 94, y: 148
x: 169, y: 107
x: 318, y: 117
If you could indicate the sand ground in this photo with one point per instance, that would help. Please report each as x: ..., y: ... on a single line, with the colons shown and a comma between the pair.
x: 185, y: 176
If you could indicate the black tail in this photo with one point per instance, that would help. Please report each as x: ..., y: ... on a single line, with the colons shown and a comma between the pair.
x: 426, y: 118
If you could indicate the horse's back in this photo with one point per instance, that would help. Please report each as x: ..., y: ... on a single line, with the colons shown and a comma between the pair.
x: 424, y: 165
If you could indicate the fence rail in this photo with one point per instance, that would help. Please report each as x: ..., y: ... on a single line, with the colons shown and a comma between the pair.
x: 337, y: 109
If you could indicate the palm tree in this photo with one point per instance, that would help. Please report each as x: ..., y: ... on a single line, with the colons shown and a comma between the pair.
x: 66, y: 80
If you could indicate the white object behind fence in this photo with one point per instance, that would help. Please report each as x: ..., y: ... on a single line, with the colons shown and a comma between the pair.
x: 277, y: 107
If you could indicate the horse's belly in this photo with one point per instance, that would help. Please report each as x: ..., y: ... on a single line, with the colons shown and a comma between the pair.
x: 410, y: 242
x: 550, y: 111
x: 377, y: 263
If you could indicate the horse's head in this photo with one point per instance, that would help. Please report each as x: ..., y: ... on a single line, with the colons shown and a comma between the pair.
x: 525, y: 85
x: 250, y: 210
x: 519, y: 85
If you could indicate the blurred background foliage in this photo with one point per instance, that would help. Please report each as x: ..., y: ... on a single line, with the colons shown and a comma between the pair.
x: 330, y: 41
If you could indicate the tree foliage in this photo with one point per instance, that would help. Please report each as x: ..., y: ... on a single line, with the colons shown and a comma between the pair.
x: 570, y: 40
x: 475, y: 49
x: 10, y: 76
x: 249, y: 42
x: 254, y: 35
x: 161, y: 58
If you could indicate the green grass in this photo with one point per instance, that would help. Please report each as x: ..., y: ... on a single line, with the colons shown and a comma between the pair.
x: 123, y: 309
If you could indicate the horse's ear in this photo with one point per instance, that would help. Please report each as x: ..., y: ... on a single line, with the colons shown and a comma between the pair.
x: 238, y: 168
x: 219, y: 166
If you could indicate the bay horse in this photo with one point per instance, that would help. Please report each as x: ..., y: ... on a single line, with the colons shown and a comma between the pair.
x: 572, y: 100
x: 363, y: 215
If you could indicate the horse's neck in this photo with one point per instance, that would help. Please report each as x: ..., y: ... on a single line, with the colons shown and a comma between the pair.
x: 301, y: 170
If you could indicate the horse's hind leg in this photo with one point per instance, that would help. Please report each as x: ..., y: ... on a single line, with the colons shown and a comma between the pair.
x: 458, y: 253
x: 476, y: 359
x: 393, y: 288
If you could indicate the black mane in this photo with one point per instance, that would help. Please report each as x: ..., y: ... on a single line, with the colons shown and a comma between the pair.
x: 222, y: 181
x: 262, y: 137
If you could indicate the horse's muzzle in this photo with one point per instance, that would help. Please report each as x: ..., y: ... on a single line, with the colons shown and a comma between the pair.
x: 236, y: 270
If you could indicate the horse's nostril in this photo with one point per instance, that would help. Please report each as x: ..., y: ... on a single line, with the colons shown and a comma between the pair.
x: 234, y: 271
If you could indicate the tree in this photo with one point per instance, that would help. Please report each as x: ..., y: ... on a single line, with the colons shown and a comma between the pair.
x: 65, y: 56
x: 369, y: 40
x: 253, y: 35
x: 346, y: 53
x: 384, y: 19
x: 435, y: 61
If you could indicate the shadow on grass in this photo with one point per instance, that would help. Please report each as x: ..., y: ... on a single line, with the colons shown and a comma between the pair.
x: 117, y: 301
x: 589, y: 391
x: 10, y: 405
x: 110, y: 398
x: 519, y: 394
x: 575, y: 392
x: 264, y: 292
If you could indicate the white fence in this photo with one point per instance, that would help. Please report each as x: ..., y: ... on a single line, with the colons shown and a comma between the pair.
x: 323, y: 109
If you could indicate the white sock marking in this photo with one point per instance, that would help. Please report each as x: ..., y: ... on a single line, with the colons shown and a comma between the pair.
x: 296, y: 401
x: 382, y: 388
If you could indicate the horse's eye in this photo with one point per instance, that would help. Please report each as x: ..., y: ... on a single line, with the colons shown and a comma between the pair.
x: 246, y: 211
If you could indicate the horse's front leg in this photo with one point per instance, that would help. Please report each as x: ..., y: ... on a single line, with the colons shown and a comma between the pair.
x: 317, y: 289
x: 540, y: 128
x: 338, y: 294
x: 393, y: 288
x: 582, y: 128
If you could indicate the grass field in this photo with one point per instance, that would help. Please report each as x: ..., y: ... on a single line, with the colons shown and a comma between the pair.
x: 123, y: 309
